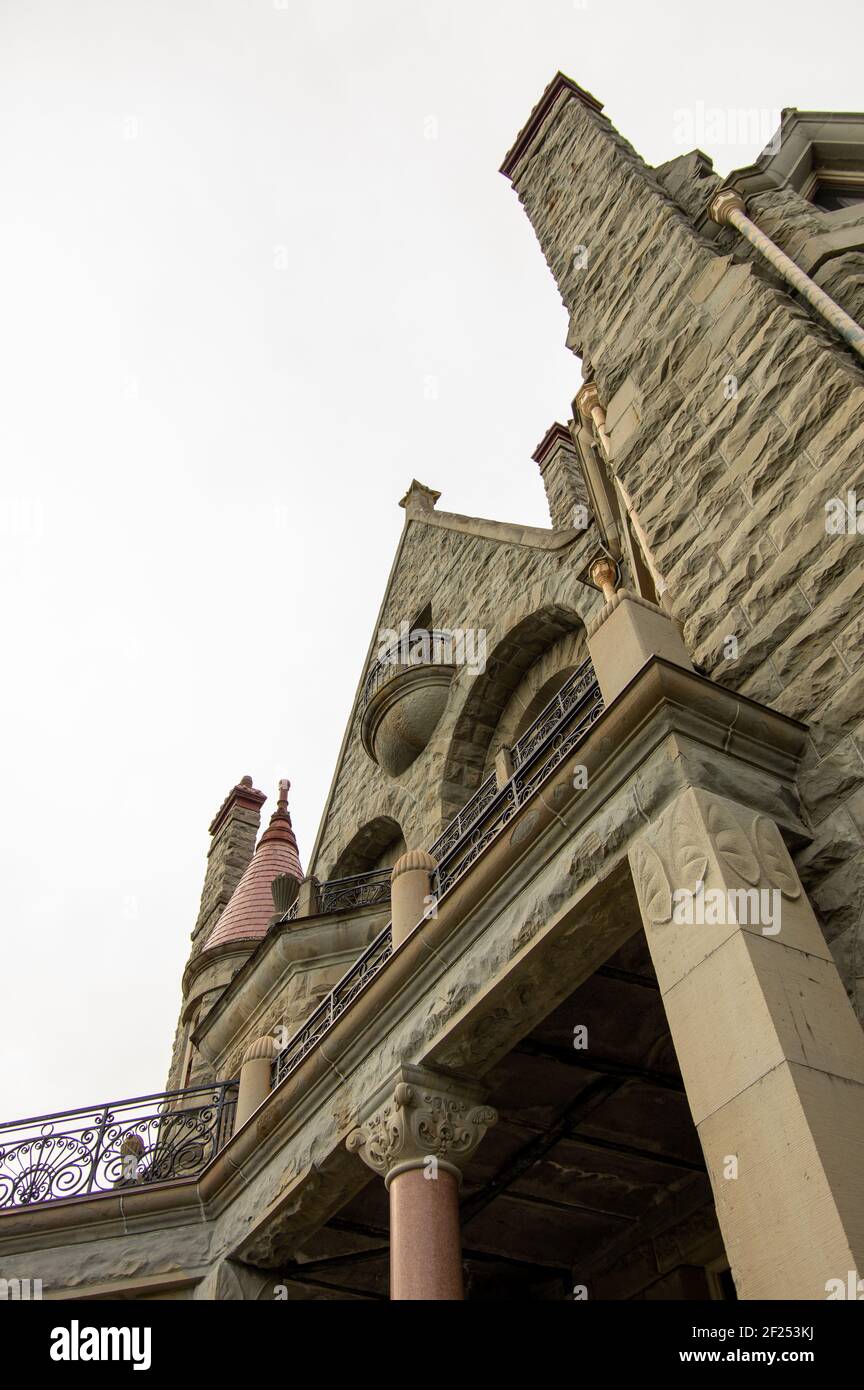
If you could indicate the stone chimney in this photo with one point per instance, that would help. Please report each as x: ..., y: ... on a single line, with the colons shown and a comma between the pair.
x: 561, y: 472
x: 234, y: 830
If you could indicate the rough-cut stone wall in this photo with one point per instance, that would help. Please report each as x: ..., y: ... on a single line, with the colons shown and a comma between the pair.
x: 735, y: 415
x: 478, y: 583
x: 807, y: 234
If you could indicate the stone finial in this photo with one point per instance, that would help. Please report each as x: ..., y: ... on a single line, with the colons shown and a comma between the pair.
x: 264, y: 1047
x: 131, y: 1145
x: 413, y: 859
x: 255, y: 1075
x: 411, y: 897
x: 419, y: 498
x: 423, y: 1118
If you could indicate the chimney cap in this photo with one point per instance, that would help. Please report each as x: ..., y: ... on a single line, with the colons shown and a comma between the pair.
x: 243, y: 794
x: 560, y: 84
x: 555, y: 435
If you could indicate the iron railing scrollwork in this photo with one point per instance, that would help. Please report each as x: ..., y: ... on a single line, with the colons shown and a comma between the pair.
x: 360, y: 890
x: 336, y: 1002
x: 552, y: 737
x: 421, y: 647
x: 149, y: 1139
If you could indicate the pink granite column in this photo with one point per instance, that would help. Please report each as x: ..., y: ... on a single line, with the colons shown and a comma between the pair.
x: 419, y: 1135
x: 425, y: 1238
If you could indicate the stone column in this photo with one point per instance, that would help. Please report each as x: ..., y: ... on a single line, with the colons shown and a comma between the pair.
x: 503, y: 767
x: 410, y: 892
x: 255, y: 1078
x: 770, y: 1050
x: 417, y: 1139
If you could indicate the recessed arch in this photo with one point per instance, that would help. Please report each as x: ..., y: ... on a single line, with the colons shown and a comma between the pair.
x: 540, y: 700
x: 375, y: 845
x: 522, y: 639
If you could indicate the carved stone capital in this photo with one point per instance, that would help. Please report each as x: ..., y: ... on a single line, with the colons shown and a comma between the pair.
x: 423, y: 1116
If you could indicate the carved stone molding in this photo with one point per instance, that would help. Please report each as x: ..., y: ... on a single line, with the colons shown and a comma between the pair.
x: 676, y: 853
x: 423, y: 1117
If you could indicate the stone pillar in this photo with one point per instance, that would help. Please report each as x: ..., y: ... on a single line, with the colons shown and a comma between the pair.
x: 503, y: 767
x: 308, y: 900
x: 417, y: 1138
x: 625, y: 635
x: 410, y: 892
x: 255, y: 1078
x: 770, y: 1050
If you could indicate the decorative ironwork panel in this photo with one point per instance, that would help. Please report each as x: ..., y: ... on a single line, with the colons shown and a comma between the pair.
x: 155, y: 1138
x: 351, y: 984
x: 580, y: 686
x: 466, y: 818
x: 360, y: 890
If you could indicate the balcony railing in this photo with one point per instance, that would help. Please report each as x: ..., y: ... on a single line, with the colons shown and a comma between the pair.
x: 360, y: 890
x: 418, y: 648
x: 553, y: 736
x: 123, y: 1144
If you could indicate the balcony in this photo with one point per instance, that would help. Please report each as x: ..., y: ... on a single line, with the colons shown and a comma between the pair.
x: 553, y: 736
x: 403, y: 698
x: 174, y: 1135
x: 358, y: 891
x: 126, y: 1143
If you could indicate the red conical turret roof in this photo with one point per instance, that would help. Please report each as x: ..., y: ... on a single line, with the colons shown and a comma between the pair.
x: 251, y: 905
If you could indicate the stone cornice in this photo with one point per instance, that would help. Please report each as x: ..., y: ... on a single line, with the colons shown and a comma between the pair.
x: 807, y: 138
x: 502, y: 532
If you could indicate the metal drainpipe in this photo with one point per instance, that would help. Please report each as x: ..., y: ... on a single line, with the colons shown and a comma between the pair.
x: 727, y: 208
x: 592, y: 411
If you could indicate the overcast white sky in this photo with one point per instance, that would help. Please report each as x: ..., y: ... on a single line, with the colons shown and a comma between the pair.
x: 232, y: 258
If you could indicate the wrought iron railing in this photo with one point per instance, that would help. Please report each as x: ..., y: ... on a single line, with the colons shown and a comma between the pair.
x: 371, y: 889
x: 360, y: 890
x: 556, y: 731
x: 149, y: 1139
x: 421, y: 647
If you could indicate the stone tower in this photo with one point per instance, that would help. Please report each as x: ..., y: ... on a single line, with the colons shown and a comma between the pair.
x: 236, y: 907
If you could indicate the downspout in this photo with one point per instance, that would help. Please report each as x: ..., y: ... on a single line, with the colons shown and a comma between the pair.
x: 592, y: 412
x: 727, y: 208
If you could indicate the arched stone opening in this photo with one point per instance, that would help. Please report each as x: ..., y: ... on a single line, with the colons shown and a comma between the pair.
x: 376, y: 845
x: 524, y: 641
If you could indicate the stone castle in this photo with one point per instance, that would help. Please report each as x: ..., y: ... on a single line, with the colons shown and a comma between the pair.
x: 568, y: 1001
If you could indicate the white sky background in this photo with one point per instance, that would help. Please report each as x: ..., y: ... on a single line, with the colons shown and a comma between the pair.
x: 230, y: 260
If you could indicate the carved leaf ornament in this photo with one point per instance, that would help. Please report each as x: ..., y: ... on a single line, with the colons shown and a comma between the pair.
x: 755, y: 853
